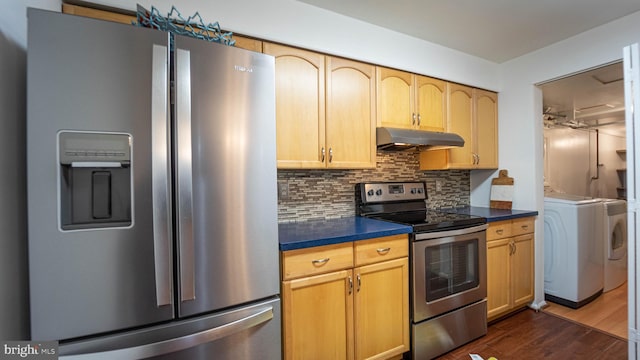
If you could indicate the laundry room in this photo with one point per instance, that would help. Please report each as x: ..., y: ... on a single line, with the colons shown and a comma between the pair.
x: 584, y: 149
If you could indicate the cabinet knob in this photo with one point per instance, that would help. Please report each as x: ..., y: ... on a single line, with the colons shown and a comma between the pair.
x: 330, y: 154
x: 358, y: 282
x: 413, y: 118
x: 322, y: 154
x: 418, y: 119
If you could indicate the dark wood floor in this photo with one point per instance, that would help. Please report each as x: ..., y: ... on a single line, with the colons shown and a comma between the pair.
x: 538, y: 335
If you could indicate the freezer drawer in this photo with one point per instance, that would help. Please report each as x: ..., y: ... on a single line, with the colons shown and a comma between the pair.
x: 250, y: 332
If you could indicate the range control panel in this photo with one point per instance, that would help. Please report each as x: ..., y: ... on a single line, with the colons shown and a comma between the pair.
x: 382, y: 192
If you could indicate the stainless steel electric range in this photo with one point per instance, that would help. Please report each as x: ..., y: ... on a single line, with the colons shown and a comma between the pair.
x: 448, y: 260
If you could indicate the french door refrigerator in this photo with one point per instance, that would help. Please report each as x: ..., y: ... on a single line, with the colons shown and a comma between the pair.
x: 151, y: 193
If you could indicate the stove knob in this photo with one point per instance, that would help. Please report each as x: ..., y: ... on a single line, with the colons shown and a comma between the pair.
x: 370, y: 192
x: 379, y: 192
x: 419, y: 191
x: 413, y: 191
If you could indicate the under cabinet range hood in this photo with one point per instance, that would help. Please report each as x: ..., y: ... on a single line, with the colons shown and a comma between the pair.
x: 403, y: 139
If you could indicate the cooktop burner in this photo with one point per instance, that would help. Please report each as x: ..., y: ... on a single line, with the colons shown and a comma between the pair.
x: 405, y: 203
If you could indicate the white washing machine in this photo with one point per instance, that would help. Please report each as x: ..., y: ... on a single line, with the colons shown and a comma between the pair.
x: 615, y: 243
x: 573, y: 251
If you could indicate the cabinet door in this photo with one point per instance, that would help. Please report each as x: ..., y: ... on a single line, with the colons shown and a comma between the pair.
x: 395, y: 98
x: 522, y: 260
x: 431, y: 97
x: 382, y: 309
x: 300, y: 108
x: 318, y: 316
x: 486, y: 129
x: 460, y: 121
x: 498, y: 277
x: 351, y: 123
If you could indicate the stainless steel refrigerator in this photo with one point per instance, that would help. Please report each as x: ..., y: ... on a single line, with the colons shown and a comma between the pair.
x: 151, y: 193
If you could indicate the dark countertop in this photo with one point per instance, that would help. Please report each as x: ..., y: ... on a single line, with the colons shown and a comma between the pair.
x: 325, y: 232
x: 492, y: 214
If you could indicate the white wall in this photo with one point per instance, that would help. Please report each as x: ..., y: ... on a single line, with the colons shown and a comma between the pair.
x: 570, y: 162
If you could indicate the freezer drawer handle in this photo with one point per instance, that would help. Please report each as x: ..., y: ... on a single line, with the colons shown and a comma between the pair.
x: 192, y: 340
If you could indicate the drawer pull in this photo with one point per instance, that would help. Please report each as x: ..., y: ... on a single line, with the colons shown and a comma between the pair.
x: 350, y: 285
x: 319, y: 262
x: 499, y: 231
x: 383, y: 251
x: 525, y: 227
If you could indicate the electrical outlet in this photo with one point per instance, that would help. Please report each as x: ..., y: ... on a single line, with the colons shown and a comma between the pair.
x: 438, y: 185
x: 283, y: 190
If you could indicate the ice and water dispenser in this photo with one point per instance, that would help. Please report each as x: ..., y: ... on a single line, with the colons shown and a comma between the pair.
x: 95, y: 180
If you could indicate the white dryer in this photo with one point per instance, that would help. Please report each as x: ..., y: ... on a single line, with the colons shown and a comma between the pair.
x: 573, y: 251
x: 615, y: 243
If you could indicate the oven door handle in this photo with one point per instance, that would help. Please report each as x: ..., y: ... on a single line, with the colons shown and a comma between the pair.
x: 447, y: 233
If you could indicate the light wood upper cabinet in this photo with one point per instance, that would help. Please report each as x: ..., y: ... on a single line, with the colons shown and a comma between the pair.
x: 472, y: 114
x: 325, y: 110
x: 461, y: 123
x: 410, y: 101
x: 431, y: 98
x: 350, y: 124
x: 486, y: 128
x: 300, y: 107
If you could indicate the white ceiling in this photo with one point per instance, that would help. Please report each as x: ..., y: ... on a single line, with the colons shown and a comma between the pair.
x: 496, y: 30
x: 593, y: 98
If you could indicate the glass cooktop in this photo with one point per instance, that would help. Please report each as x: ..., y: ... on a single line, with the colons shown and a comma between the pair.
x: 431, y: 220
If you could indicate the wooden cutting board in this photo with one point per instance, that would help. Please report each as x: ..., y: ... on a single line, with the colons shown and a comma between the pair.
x: 501, y: 191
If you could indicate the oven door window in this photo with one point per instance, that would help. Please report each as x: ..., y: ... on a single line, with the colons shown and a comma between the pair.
x: 451, y: 268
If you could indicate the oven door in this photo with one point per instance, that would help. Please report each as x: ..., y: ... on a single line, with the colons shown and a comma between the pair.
x: 449, y: 270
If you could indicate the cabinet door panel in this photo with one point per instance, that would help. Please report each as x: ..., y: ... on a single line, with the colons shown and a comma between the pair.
x: 317, y: 319
x: 350, y: 124
x: 460, y: 120
x: 382, y: 309
x: 432, y: 103
x: 395, y: 98
x: 300, y: 108
x: 486, y: 128
x: 523, y: 270
x: 498, y: 277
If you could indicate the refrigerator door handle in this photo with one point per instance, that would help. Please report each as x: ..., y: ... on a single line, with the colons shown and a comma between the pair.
x: 262, y: 315
x: 185, y: 190
x: 160, y: 176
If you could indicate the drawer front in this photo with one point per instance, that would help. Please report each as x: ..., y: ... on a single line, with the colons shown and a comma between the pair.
x: 522, y: 226
x: 499, y: 230
x: 316, y: 260
x: 381, y: 249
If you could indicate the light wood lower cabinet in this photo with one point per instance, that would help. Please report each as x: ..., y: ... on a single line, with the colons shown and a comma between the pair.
x: 357, y: 310
x: 510, y: 266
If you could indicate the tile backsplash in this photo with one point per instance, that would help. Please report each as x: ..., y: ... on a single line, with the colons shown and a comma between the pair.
x: 326, y: 194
